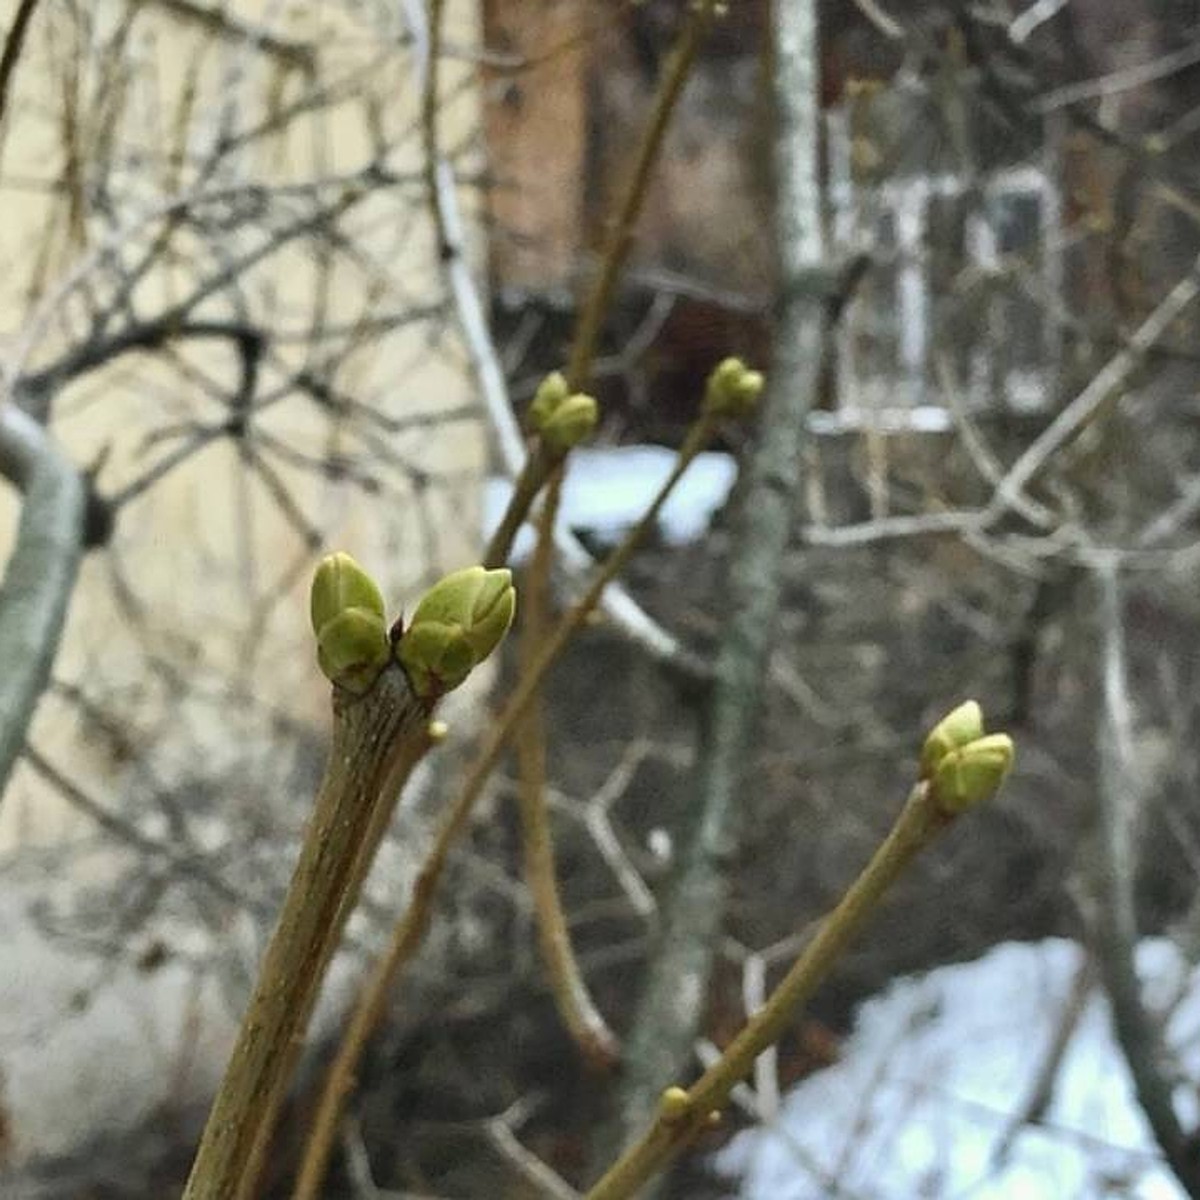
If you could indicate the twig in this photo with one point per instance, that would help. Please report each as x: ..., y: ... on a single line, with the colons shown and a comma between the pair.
x: 299, y: 55
x: 191, y: 866
x: 41, y: 571
x: 374, y: 736
x: 502, y: 1134
x: 1009, y: 493
x: 578, y: 1010
x: 13, y: 45
x: 1041, y: 1093
x: 1036, y: 14
x: 683, y: 1114
x: 591, y: 319
x: 1114, y: 920
x: 1124, y: 80
x: 575, y: 1005
x: 1081, y: 410
x: 624, y: 612
x: 410, y: 929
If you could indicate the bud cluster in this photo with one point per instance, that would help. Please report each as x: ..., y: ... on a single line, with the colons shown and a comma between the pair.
x: 563, y: 418
x: 732, y: 389
x: 962, y: 764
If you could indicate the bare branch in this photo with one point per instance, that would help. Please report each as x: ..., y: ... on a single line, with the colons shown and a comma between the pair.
x: 40, y: 574
x: 1114, y: 920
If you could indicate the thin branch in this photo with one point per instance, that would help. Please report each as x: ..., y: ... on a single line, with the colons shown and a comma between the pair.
x: 1114, y: 920
x: 40, y: 575
x: 1114, y: 373
x: 191, y: 866
x: 575, y: 1005
x: 300, y: 55
x: 616, y: 250
x: 373, y: 736
x: 1124, y: 80
x: 624, y: 612
x: 682, y: 1115
x: 14, y: 43
x: 1041, y: 1092
x: 676, y: 989
x: 577, y: 1009
x: 502, y: 1134
x: 410, y: 929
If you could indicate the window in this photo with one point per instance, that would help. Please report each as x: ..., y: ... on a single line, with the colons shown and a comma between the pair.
x: 963, y: 278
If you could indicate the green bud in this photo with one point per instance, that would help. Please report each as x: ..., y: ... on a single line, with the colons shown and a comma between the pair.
x: 732, y: 389
x: 454, y: 627
x: 551, y: 392
x: 964, y: 724
x: 349, y: 620
x: 973, y: 772
x: 572, y: 421
x: 352, y: 648
x: 674, y: 1104
x: 340, y: 583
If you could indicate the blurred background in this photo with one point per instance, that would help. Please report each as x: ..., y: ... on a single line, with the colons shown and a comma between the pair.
x: 228, y: 324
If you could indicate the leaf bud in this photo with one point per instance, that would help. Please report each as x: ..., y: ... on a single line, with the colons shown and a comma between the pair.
x: 454, y: 627
x: 962, y: 725
x: 347, y: 614
x: 972, y: 773
x: 551, y: 392
x: 732, y: 389
x: 570, y: 423
x: 340, y: 583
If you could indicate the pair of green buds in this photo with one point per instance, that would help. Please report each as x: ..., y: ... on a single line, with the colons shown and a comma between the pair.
x: 962, y: 764
x: 561, y: 417
x: 455, y: 626
x: 732, y: 389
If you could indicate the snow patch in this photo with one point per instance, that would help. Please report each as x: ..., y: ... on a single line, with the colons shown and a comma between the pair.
x: 606, y: 490
x: 923, y: 1101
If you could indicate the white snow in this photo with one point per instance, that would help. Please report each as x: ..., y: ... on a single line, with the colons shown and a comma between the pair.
x: 937, y: 1066
x: 606, y: 490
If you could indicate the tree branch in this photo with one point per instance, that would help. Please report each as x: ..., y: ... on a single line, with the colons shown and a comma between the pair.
x: 376, y: 738
x: 40, y: 575
x: 673, y: 1002
x: 1114, y: 919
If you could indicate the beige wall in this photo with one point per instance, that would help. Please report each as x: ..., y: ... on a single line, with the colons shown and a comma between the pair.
x: 191, y: 632
x: 218, y: 571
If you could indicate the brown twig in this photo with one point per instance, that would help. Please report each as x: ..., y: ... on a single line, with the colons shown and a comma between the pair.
x: 574, y: 1002
x: 410, y: 929
x: 616, y: 249
x: 13, y: 45
x: 683, y: 1114
x: 375, y: 738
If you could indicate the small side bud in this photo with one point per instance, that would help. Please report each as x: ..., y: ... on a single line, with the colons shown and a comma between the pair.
x: 674, y: 1104
x: 960, y: 726
x: 437, y: 732
x: 972, y: 773
x: 347, y: 614
x: 455, y: 626
x: 551, y: 392
x: 732, y: 389
x: 572, y: 422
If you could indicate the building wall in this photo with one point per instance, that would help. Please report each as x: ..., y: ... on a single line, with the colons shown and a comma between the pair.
x: 189, y: 712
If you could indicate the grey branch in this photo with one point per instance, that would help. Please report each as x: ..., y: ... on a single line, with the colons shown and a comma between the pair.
x: 676, y: 991
x: 1115, y: 918
x: 40, y: 575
